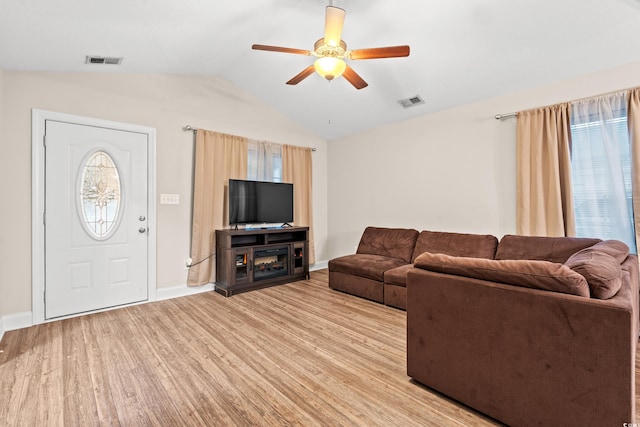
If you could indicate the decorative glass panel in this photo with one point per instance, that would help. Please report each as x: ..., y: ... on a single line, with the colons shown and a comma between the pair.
x: 100, y: 194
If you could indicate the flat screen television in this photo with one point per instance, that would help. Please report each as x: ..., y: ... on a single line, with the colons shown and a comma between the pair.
x: 260, y: 202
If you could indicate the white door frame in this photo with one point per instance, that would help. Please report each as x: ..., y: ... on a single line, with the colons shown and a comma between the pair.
x: 38, y: 118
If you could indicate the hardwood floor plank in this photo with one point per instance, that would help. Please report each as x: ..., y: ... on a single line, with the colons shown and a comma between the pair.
x: 26, y: 368
x: 298, y: 354
x: 96, y: 338
x: 51, y: 380
x: 78, y: 403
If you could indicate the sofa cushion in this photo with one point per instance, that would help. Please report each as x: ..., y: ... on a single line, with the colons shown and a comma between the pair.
x: 456, y: 244
x: 397, y: 276
x: 602, y: 271
x: 552, y: 249
x: 534, y: 274
x: 364, y: 265
x: 614, y: 248
x: 388, y: 242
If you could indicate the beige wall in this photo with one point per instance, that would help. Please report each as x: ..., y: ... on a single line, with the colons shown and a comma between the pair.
x: 449, y: 171
x: 165, y: 102
x: 5, y: 212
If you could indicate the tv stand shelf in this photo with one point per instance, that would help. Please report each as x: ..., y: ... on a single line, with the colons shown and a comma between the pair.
x: 257, y: 258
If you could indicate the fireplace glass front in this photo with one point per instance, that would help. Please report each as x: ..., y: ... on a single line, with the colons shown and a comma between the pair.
x: 269, y: 263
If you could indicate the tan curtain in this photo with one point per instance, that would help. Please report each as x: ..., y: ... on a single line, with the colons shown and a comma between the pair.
x: 544, y: 198
x: 296, y: 169
x: 218, y: 157
x: 633, y: 122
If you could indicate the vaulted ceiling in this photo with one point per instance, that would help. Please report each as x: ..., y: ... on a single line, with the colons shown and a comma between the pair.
x: 461, y: 50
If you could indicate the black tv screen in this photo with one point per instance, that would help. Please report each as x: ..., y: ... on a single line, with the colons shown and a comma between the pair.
x: 260, y: 202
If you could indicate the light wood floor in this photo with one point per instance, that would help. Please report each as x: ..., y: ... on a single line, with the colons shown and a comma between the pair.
x: 296, y: 354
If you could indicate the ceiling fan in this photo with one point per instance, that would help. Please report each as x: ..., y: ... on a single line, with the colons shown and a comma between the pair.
x: 331, y: 52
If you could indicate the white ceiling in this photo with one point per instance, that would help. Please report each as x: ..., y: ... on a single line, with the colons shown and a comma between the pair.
x: 461, y: 50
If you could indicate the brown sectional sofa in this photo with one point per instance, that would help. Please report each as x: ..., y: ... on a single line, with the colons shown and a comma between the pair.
x: 531, y: 331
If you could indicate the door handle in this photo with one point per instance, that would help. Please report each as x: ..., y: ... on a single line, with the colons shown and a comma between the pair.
x: 142, y: 229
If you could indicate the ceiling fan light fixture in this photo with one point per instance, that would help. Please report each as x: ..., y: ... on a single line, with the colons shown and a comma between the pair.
x: 330, y: 67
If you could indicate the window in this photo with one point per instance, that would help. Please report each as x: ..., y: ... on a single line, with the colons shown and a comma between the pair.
x: 601, y: 169
x: 264, y: 162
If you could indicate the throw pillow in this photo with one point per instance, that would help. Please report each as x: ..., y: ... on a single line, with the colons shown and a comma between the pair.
x: 602, y: 271
x: 615, y: 248
x: 533, y: 274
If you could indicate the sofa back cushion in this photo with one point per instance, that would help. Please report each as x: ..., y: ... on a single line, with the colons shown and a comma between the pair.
x: 543, y: 275
x: 456, y: 244
x: 390, y: 242
x: 600, y: 265
x: 552, y: 249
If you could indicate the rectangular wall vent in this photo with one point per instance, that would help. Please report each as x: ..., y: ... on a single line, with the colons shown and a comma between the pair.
x: 411, y: 102
x: 106, y: 60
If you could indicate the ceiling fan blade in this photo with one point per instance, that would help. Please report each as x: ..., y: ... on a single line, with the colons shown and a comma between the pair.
x: 354, y: 78
x: 302, y: 75
x: 380, y: 52
x: 333, y: 23
x: 280, y: 49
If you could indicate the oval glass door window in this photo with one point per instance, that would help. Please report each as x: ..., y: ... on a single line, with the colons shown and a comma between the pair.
x: 100, y: 195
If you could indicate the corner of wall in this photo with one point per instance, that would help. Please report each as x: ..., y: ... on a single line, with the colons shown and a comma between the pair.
x: 182, y: 291
x: 2, y: 138
x: 319, y: 265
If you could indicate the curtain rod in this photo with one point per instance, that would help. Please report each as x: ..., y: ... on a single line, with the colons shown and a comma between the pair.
x: 506, y: 115
x: 187, y: 128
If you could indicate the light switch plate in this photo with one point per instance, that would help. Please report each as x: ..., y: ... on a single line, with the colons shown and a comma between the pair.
x: 169, y: 199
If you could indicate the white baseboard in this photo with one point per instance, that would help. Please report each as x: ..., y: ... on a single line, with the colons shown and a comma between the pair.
x: 319, y: 265
x: 182, y: 291
x: 15, y: 321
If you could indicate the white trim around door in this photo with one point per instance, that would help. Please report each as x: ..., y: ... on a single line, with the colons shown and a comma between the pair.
x: 38, y: 122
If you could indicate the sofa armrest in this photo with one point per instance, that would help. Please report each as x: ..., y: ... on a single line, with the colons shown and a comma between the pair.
x: 523, y: 356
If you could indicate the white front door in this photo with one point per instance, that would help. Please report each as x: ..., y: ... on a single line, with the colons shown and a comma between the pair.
x: 96, y: 218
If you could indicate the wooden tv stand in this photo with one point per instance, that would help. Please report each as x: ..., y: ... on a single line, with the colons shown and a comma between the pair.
x: 257, y: 258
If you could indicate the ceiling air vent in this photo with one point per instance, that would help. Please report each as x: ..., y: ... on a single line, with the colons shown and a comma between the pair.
x: 106, y: 60
x: 411, y: 102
